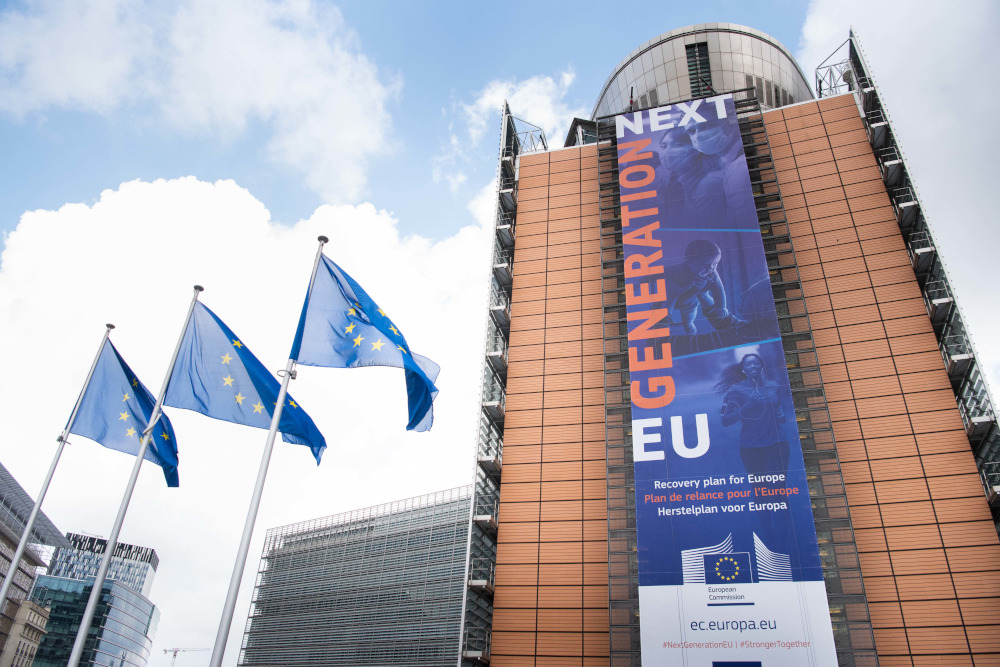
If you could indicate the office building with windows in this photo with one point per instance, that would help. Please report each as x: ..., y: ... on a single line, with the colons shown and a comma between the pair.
x: 897, y: 430
x: 131, y: 565
x: 121, y: 633
x: 25, y: 635
x: 382, y: 585
x: 125, y: 620
x: 21, y: 622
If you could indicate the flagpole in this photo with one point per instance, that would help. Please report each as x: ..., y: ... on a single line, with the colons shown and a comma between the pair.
x: 226, y: 622
x: 29, y: 526
x: 109, y: 550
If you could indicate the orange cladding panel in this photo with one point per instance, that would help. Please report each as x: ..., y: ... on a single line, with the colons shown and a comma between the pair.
x: 921, y: 522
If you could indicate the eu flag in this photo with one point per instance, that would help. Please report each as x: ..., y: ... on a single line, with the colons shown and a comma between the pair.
x: 218, y: 376
x: 115, y: 410
x: 341, y: 327
x: 731, y: 568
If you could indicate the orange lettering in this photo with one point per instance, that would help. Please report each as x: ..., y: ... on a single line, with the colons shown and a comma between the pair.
x: 666, y: 383
x: 649, y: 359
x: 632, y: 149
x: 643, y: 236
x: 641, y: 292
x: 648, y: 174
x: 640, y: 265
x: 647, y: 320
x: 627, y: 215
x: 648, y: 194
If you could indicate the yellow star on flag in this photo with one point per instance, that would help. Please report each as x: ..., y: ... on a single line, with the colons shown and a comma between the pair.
x: 381, y: 312
x: 394, y: 330
x: 239, y: 398
x: 123, y: 416
x: 135, y: 382
x: 226, y: 358
x: 125, y: 398
x: 377, y: 345
x: 401, y: 349
x: 357, y: 341
x: 350, y: 329
x: 130, y: 432
x: 258, y: 406
x: 237, y: 343
x: 350, y: 311
x: 228, y: 381
x: 292, y: 403
x: 165, y: 435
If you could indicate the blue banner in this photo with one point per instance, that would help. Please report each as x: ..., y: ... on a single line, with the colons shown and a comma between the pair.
x: 729, y: 568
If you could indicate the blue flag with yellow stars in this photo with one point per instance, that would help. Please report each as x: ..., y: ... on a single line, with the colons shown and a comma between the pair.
x: 115, y: 411
x: 218, y: 376
x: 341, y: 327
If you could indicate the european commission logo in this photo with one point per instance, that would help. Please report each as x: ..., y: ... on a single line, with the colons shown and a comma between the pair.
x: 731, y: 568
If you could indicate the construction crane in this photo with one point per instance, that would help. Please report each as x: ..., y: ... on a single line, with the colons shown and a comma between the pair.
x: 175, y: 651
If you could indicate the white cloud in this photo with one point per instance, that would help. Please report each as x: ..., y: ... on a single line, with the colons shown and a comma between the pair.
x: 935, y: 65
x: 447, y: 165
x: 74, y: 54
x: 539, y: 100
x: 131, y: 259
x: 483, y: 206
x: 210, y: 68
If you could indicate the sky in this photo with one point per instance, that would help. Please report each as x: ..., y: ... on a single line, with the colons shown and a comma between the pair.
x: 149, y: 146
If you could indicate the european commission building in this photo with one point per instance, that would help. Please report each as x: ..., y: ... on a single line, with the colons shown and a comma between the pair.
x: 377, y: 586
x: 731, y: 415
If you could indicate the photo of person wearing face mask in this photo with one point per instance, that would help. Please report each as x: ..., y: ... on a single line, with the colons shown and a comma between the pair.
x: 694, y: 179
x: 721, y: 140
x: 695, y: 285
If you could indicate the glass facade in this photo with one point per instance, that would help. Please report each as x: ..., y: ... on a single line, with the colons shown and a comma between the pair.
x: 377, y: 586
x: 120, y: 634
x: 132, y: 565
x: 699, y: 72
x: 700, y: 60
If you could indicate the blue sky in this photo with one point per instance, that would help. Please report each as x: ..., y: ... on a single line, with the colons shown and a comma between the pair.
x: 146, y: 146
x: 437, y: 56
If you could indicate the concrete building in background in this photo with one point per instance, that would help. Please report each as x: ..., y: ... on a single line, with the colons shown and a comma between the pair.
x: 25, y: 635
x: 21, y: 622
x: 897, y: 430
x: 381, y: 585
x: 125, y: 620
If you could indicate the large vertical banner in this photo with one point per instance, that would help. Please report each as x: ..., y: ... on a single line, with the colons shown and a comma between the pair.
x: 729, y: 568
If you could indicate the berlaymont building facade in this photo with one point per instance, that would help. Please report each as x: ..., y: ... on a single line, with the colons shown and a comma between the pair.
x: 730, y: 414
x: 853, y: 393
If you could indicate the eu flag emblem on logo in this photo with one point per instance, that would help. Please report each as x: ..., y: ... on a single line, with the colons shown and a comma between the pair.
x: 728, y: 568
